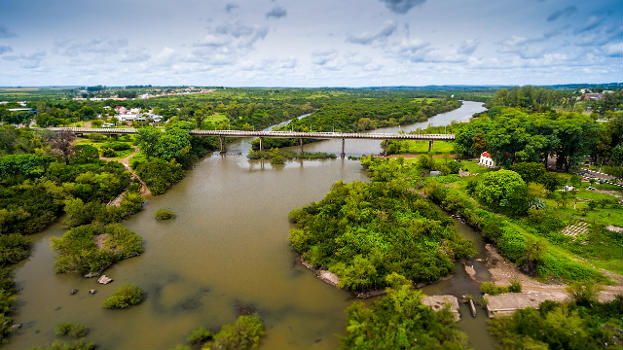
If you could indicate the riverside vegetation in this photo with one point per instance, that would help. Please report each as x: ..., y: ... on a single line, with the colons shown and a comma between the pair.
x: 244, y: 333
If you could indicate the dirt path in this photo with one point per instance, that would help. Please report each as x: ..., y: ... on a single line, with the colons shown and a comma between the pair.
x: 502, y: 272
x: 126, y: 163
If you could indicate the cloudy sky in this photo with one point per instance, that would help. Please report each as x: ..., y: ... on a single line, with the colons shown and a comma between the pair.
x: 310, y: 42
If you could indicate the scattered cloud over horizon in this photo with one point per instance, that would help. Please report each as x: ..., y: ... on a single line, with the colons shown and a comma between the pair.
x: 402, y: 6
x: 6, y: 33
x: 277, y: 12
x: 319, y: 43
x: 566, y: 12
x: 368, y: 38
x: 5, y: 49
x: 229, y: 7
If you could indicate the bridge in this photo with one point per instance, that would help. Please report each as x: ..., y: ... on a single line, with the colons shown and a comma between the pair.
x: 221, y: 134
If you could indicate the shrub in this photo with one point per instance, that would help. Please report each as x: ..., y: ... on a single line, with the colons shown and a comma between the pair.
x: 278, y: 159
x: 108, y: 152
x: 493, y: 289
x: 584, y: 293
x: 79, y: 344
x: 131, y: 203
x: 164, y: 214
x: 244, y: 333
x: 124, y: 297
x: 74, y: 330
x: 515, y: 286
x: 199, y: 336
x: 116, y: 146
x: 84, y: 154
x: 13, y: 248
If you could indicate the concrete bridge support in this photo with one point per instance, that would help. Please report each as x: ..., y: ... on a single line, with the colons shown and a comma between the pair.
x: 301, y: 144
x: 223, y: 150
x: 343, y: 142
x: 430, y: 146
x: 386, y: 147
x: 261, y: 144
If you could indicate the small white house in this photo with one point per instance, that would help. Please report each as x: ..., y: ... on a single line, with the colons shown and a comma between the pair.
x: 486, y: 160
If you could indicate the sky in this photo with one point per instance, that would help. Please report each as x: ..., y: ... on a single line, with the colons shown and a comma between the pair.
x: 310, y: 43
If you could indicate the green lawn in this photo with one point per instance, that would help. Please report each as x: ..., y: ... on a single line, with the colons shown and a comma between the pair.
x: 439, y: 147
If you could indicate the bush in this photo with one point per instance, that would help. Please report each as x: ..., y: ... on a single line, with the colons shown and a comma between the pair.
x: 164, y: 214
x: 74, y: 330
x: 116, y: 146
x: 108, y: 152
x: 124, y: 297
x: 84, y: 154
x: 13, y: 248
x: 80, y: 344
x: 278, y: 159
x: 244, y: 333
x: 493, y: 289
x: 584, y: 293
x: 199, y: 336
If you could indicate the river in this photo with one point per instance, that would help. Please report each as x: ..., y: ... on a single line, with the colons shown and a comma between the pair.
x: 227, y: 250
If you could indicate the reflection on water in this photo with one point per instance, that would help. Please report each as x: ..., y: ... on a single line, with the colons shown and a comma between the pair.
x: 226, y: 252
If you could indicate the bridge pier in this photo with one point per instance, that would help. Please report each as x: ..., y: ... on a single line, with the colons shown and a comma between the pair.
x: 223, y: 150
x: 430, y: 146
x: 343, y: 154
x: 301, y: 144
x: 386, y: 147
x: 261, y: 144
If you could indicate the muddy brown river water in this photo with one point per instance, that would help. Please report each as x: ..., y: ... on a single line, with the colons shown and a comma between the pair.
x: 226, y: 250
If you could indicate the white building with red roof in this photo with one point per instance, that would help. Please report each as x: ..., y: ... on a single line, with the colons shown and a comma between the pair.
x: 486, y: 160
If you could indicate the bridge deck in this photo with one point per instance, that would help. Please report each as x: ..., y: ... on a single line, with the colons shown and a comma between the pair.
x: 278, y: 134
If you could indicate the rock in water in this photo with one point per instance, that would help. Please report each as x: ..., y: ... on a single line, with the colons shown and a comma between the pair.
x: 90, y: 275
x: 104, y: 279
x: 92, y: 291
x: 73, y: 291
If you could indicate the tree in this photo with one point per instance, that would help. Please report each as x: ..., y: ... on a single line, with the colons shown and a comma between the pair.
x: 63, y: 143
x: 147, y: 139
x: 174, y: 143
x: 535, y: 251
x: 503, y: 190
